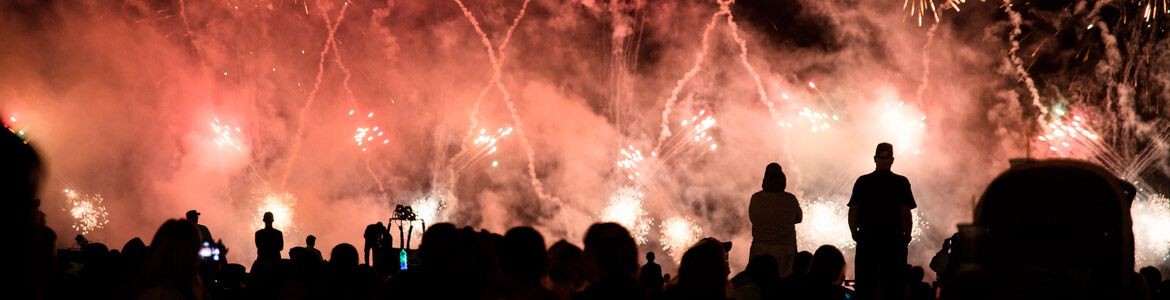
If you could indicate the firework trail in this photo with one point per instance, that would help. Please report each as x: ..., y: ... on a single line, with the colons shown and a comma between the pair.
x: 1017, y: 62
x: 299, y: 132
x: 497, y: 69
x: 87, y: 211
x: 366, y: 133
x: 678, y: 234
x: 925, y: 79
x: 695, y: 68
x: 474, y: 115
x: 743, y: 59
x: 813, y: 86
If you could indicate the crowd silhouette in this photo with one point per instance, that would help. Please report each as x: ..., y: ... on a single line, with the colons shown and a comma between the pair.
x: 1072, y: 206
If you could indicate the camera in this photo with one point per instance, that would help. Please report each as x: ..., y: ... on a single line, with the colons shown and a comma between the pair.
x: 209, y: 252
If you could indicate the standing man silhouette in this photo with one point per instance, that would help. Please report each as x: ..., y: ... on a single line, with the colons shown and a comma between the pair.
x: 204, y: 233
x: 880, y: 222
x: 651, y: 276
x: 269, y: 241
x: 774, y: 214
x: 373, y: 236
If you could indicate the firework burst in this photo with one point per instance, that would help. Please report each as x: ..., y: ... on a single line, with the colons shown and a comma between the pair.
x: 282, y: 206
x: 368, y: 134
x: 678, y: 234
x: 1151, y: 229
x: 625, y: 208
x: 87, y: 211
x: 825, y: 223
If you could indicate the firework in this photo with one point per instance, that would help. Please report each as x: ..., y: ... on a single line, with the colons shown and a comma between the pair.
x: 825, y: 223
x: 625, y: 208
x: 87, y: 211
x: 226, y: 136
x: 1151, y: 229
x: 905, y: 126
x: 631, y: 159
x: 929, y: 9
x: 366, y: 135
x: 282, y: 206
x: 1069, y: 137
x: 1152, y: 9
x: 678, y: 234
x: 816, y: 121
x: 428, y: 206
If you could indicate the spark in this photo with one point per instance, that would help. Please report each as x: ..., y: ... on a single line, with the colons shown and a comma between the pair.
x: 625, y: 208
x: 87, y: 211
x: 905, y: 125
x: 817, y: 121
x: 1151, y: 229
x: 282, y: 206
x: 226, y: 136
x: 825, y: 223
x: 929, y: 9
x: 678, y: 234
x: 631, y: 159
x: 368, y: 134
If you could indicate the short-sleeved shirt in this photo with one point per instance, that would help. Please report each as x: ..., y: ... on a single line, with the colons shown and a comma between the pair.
x: 878, y: 198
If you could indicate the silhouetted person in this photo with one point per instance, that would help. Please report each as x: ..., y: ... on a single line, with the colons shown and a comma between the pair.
x: 824, y: 278
x: 1153, y: 279
x: 759, y: 280
x: 269, y: 241
x: 651, y: 275
x: 311, y: 247
x: 702, y: 274
x: 193, y: 216
x: 344, y: 278
x: 450, y: 266
x: 373, y: 237
x: 919, y: 290
x: 20, y: 180
x: 801, y: 263
x: 774, y: 214
x: 565, y: 269
x: 172, y: 272
x: 611, y: 260
x: 1048, y: 229
x: 522, y: 266
x: 880, y: 221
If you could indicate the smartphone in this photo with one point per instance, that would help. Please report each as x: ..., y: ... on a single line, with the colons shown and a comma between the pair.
x: 209, y: 252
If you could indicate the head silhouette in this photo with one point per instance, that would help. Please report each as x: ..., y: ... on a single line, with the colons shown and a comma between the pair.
x: 883, y: 156
x: 344, y: 255
x: 610, y: 251
x: 650, y: 256
x: 704, y: 269
x: 801, y: 263
x: 522, y: 255
x: 193, y: 216
x: 268, y: 219
x: 774, y: 179
x: 174, y: 259
x: 828, y: 266
x: 311, y: 241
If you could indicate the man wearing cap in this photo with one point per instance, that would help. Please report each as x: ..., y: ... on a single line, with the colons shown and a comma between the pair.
x: 193, y: 217
x: 880, y: 221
